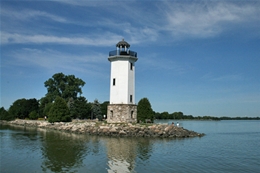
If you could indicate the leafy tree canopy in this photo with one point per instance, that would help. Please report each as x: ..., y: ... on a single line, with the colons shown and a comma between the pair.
x: 4, y: 115
x: 144, y: 110
x: 47, y: 109
x: 80, y: 108
x: 96, y: 110
x: 59, y: 111
x: 44, y: 107
x: 104, y: 107
x: 33, y: 115
x: 167, y: 115
x: 21, y: 108
x: 65, y: 86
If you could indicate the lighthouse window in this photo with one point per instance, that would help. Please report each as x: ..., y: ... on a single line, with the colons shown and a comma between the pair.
x: 114, y: 81
x: 131, y: 98
x: 131, y: 66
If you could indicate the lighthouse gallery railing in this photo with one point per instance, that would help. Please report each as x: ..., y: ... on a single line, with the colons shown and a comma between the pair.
x: 129, y: 52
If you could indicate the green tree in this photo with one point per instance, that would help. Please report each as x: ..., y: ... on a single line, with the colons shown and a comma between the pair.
x: 96, y: 110
x: 32, y: 105
x: 18, y: 109
x: 189, y: 117
x: 80, y: 108
x: 104, y: 107
x: 33, y: 115
x: 165, y: 115
x: 144, y: 110
x: 47, y: 109
x: 157, y: 115
x: 176, y: 115
x: 4, y: 115
x: 43, y: 103
x: 65, y: 86
x: 59, y: 111
x: 22, y: 107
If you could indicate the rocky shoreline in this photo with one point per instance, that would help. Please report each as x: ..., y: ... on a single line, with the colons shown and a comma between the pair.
x: 109, y: 129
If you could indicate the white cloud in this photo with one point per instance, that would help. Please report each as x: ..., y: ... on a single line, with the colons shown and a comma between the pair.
x: 228, y: 78
x: 84, y: 3
x: 223, y: 78
x: 173, y: 67
x: 207, y: 19
x: 141, y: 35
x: 181, y: 19
x: 107, y: 39
x: 35, y: 14
x: 30, y: 14
x: 115, y: 27
x: 132, y: 35
x: 49, y: 60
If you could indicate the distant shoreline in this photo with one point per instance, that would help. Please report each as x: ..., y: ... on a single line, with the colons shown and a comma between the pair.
x: 206, y: 119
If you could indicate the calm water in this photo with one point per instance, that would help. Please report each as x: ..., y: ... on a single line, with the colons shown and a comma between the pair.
x: 229, y: 146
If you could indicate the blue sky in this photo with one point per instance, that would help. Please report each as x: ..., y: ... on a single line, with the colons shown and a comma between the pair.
x: 198, y: 57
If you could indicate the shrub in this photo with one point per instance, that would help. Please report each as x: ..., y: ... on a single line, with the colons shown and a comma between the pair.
x: 4, y: 115
x: 59, y: 111
x: 144, y: 110
x: 33, y: 115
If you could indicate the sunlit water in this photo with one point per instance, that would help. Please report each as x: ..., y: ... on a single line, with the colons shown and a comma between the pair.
x: 229, y: 146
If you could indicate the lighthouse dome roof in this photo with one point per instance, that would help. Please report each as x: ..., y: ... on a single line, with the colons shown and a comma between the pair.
x: 123, y: 43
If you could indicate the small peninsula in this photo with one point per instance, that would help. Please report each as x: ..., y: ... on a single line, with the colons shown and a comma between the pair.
x: 110, y: 129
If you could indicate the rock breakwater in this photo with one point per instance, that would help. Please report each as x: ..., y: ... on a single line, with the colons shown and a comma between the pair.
x: 111, y: 129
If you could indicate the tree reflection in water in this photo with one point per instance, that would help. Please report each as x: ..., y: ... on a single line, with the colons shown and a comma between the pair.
x: 63, y: 152
x: 55, y: 151
x: 68, y: 152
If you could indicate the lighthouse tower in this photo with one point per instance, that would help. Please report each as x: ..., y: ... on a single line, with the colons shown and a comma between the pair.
x: 122, y: 107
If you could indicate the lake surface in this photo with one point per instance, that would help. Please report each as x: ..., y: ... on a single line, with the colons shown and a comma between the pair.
x: 229, y: 146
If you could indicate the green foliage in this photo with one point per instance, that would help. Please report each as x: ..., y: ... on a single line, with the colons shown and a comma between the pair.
x: 59, y: 111
x: 104, y: 107
x: 144, y: 110
x: 33, y: 115
x: 235, y: 118
x: 18, y: 109
x: 157, y: 115
x: 47, y: 109
x: 65, y: 86
x: 44, y: 101
x: 167, y: 115
x: 180, y: 115
x: 174, y: 115
x: 22, y: 107
x: 80, y: 108
x: 96, y: 110
x: 4, y: 115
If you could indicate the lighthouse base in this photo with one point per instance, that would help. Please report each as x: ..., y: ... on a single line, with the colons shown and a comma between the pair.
x: 122, y: 113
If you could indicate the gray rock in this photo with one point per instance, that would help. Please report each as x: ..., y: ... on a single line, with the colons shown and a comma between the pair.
x: 107, y: 129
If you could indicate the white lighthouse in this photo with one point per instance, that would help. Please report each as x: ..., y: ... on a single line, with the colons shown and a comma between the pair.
x: 122, y: 107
